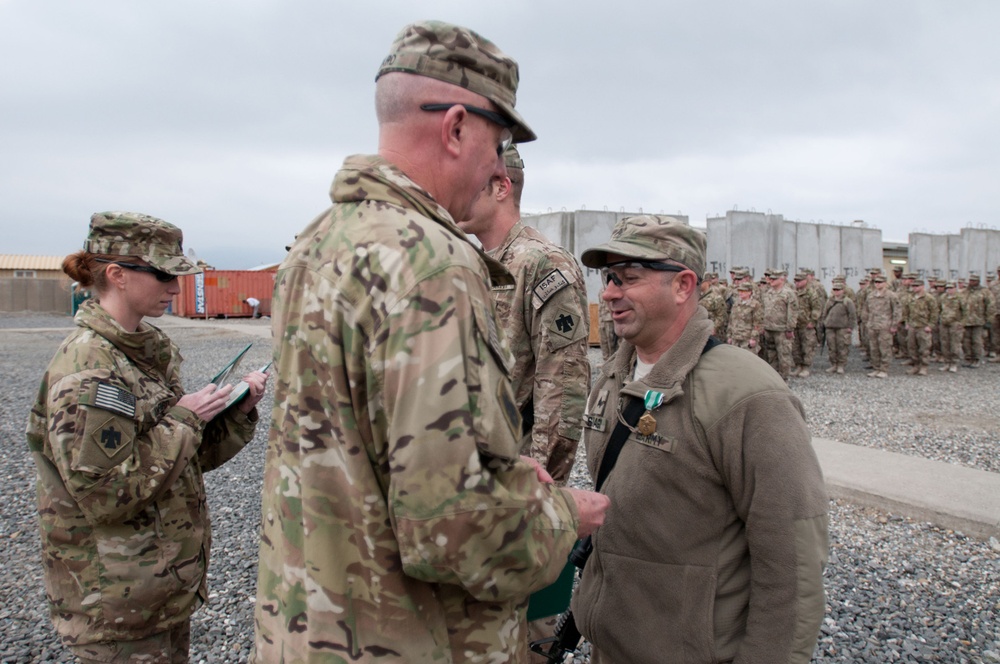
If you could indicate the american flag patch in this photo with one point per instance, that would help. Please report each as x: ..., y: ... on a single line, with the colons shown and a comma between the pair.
x: 115, y: 399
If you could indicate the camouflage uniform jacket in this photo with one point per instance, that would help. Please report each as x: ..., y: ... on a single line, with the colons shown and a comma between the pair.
x: 398, y: 522
x: 839, y: 313
x: 810, y: 306
x: 922, y: 311
x: 979, y: 306
x: 547, y: 323
x: 746, y: 320
x: 121, y: 500
x: 780, y: 309
x: 715, y: 305
x: 952, y: 309
x: 881, y: 310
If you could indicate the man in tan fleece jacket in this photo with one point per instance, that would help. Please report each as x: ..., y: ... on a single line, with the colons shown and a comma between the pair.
x: 714, y: 546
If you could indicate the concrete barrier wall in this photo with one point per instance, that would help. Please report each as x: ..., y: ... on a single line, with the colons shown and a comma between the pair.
x: 954, y: 256
x: 40, y: 295
x: 759, y: 241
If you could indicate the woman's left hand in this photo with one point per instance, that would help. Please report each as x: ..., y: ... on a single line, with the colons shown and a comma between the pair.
x: 257, y: 381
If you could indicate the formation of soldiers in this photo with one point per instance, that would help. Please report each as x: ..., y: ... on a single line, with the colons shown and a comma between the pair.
x: 916, y: 321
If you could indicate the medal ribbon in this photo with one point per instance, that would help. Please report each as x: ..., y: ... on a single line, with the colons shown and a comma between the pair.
x: 653, y: 399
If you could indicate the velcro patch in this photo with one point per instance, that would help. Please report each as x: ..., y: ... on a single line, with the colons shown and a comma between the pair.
x: 107, y: 442
x: 566, y: 325
x: 113, y: 398
x: 547, y: 287
x: 595, y: 422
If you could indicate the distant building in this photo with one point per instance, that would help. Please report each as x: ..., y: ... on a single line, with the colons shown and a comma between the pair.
x: 15, y: 266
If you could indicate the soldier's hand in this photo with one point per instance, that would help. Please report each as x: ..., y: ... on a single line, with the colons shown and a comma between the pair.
x: 789, y: 334
x: 256, y: 382
x: 207, y: 402
x: 543, y: 475
x: 591, y: 507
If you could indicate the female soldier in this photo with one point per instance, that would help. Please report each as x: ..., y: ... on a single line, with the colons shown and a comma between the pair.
x: 120, y: 450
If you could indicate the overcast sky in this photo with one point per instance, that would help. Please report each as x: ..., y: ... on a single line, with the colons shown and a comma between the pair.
x: 229, y: 118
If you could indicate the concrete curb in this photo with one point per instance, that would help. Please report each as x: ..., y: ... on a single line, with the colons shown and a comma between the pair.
x: 945, y: 494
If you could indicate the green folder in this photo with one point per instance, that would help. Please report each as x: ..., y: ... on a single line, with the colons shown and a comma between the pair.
x: 554, y: 599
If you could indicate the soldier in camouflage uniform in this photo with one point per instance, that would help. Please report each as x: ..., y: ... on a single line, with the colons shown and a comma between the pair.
x: 937, y: 292
x: 905, y: 294
x: 780, y: 318
x: 120, y: 451
x: 715, y: 304
x: 994, y: 288
x: 980, y: 308
x: 606, y: 330
x: 881, y: 314
x: 545, y: 317
x: 399, y: 522
x: 952, y: 324
x: 810, y: 310
x: 921, y: 317
x: 746, y: 320
x: 839, y: 315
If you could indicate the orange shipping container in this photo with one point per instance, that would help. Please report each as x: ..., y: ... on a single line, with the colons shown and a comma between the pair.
x: 223, y: 294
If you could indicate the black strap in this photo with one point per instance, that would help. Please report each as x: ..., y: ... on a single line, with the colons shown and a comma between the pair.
x: 631, y: 414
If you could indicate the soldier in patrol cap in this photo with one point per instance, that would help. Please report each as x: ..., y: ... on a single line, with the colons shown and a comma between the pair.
x: 707, y: 521
x: 980, y: 310
x: 399, y: 521
x: 781, y: 312
x: 545, y: 316
x: 120, y: 450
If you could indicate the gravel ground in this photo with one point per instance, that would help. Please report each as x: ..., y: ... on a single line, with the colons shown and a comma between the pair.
x: 898, y: 590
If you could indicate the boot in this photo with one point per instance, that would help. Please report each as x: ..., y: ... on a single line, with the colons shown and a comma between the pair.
x: 944, y: 367
x: 922, y: 371
x: 907, y: 362
x: 840, y: 368
x: 804, y: 372
x: 953, y: 368
x: 912, y: 371
x: 832, y: 369
x: 881, y: 374
x: 873, y: 374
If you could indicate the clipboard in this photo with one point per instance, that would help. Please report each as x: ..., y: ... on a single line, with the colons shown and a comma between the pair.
x: 227, y: 371
x: 241, y: 388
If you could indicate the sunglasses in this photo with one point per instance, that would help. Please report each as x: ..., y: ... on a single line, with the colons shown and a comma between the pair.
x: 159, y: 274
x: 506, y: 138
x: 609, y: 276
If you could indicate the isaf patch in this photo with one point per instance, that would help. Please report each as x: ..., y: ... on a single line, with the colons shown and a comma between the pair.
x: 547, y: 287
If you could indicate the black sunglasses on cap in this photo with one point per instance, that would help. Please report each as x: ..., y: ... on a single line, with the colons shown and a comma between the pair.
x: 610, y: 277
x: 159, y: 274
x: 505, y: 139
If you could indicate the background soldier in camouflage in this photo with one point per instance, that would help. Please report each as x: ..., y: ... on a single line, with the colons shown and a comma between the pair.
x: 839, y: 315
x: 399, y: 522
x: 952, y: 323
x: 746, y: 320
x: 921, y: 317
x: 905, y: 294
x: 545, y: 317
x: 780, y: 317
x: 606, y: 329
x: 810, y: 310
x: 994, y: 288
x: 715, y: 303
x: 881, y: 314
x: 979, y: 308
x: 120, y: 451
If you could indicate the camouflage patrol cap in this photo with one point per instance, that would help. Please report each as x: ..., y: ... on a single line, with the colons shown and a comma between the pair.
x: 878, y: 278
x: 142, y: 236
x: 973, y: 275
x: 950, y: 284
x: 808, y: 270
x: 512, y: 158
x: 711, y: 275
x: 940, y: 283
x: 459, y: 56
x: 801, y: 276
x: 917, y: 283
x: 779, y: 273
x: 837, y: 285
x: 652, y: 237
x: 745, y: 286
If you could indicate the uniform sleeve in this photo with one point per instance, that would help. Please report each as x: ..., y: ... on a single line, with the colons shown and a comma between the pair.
x: 560, y: 330
x: 465, y: 509
x: 113, y: 464
x: 793, y: 312
x: 224, y: 437
x: 777, y: 490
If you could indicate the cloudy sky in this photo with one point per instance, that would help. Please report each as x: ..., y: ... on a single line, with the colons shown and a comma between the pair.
x: 229, y: 118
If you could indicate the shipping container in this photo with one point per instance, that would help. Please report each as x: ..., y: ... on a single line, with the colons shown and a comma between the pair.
x: 223, y: 294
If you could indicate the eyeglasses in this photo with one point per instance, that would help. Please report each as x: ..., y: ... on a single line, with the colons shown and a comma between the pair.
x: 159, y: 274
x: 506, y: 138
x: 610, y: 276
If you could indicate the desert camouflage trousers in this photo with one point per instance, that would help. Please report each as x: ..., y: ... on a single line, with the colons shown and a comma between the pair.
x: 170, y: 647
x: 838, y: 341
x: 804, y: 348
x: 745, y: 344
x: 918, y: 346
x: 880, y: 349
x: 778, y: 352
x: 951, y: 342
x: 974, y: 341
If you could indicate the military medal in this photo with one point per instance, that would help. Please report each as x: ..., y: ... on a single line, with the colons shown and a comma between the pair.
x: 647, y: 423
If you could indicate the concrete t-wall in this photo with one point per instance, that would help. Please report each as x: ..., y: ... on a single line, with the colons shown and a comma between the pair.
x: 40, y: 295
x: 954, y: 256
